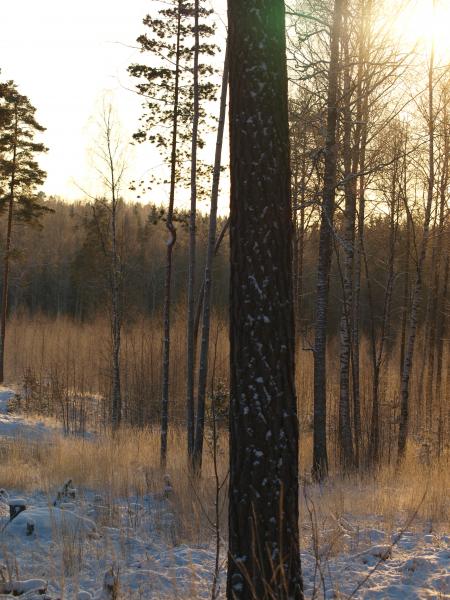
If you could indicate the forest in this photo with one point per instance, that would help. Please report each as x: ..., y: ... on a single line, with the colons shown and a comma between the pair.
x: 233, y: 375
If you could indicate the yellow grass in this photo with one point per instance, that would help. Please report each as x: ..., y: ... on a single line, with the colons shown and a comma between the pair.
x: 76, y: 355
x: 127, y: 465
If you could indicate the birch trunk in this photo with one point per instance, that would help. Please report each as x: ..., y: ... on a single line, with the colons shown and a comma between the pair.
x: 320, y: 455
x: 435, y: 316
x: 364, y: 78
x: 417, y: 291
x: 191, y: 347
x: 348, y: 239
x: 116, y: 319
x: 378, y: 349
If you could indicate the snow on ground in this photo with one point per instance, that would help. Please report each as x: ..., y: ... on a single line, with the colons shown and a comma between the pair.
x: 410, y: 565
x: 12, y: 426
x: 73, y: 539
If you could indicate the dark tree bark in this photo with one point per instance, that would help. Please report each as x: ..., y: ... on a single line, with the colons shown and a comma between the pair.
x: 320, y: 456
x: 6, y: 269
x: 206, y: 290
x: 170, y: 245
x: 264, y: 558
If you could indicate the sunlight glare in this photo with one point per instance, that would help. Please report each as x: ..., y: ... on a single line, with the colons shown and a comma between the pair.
x: 421, y: 24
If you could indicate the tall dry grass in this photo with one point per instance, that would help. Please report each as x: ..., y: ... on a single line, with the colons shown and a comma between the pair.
x: 67, y: 366
x: 126, y: 465
x: 77, y: 356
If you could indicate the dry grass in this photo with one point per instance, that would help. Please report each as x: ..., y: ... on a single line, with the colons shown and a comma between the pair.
x: 127, y: 465
x: 76, y: 358
x: 119, y: 467
x: 390, y: 494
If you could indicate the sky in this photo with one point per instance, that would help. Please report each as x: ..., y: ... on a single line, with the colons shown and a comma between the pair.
x: 66, y: 57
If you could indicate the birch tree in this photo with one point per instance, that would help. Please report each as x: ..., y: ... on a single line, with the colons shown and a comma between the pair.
x: 110, y: 164
x: 191, y: 349
x: 320, y: 454
x: 422, y: 252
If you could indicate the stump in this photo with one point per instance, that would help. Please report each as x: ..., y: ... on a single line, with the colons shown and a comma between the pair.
x: 16, y: 506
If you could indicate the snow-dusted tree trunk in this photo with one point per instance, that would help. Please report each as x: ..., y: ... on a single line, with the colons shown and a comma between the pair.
x: 264, y: 558
x: 191, y: 346
x: 207, y: 282
x: 170, y: 244
x: 320, y: 456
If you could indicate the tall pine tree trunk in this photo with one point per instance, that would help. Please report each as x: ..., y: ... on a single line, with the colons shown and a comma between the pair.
x: 170, y: 245
x: 264, y: 558
x: 320, y: 455
x: 6, y: 258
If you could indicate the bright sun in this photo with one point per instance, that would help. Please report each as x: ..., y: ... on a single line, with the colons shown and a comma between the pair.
x: 422, y: 23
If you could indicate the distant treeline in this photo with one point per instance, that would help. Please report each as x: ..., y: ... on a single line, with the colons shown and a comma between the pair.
x: 59, y: 268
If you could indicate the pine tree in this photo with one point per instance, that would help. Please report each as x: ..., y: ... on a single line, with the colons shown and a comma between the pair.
x: 264, y: 558
x: 20, y: 175
x: 167, y: 86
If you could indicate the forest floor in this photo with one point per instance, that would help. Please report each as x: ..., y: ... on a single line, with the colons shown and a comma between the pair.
x: 78, y: 542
